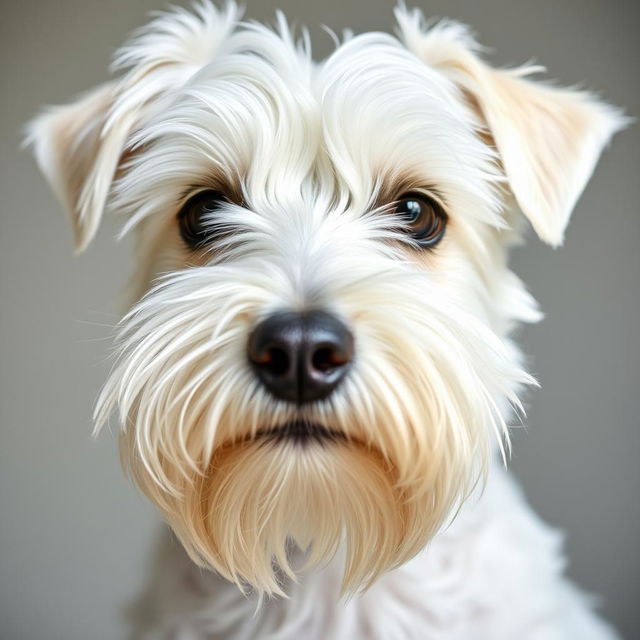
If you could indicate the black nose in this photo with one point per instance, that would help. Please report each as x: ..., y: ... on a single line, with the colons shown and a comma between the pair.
x: 301, y: 357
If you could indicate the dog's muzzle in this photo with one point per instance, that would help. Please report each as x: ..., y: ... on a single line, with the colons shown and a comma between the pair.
x: 301, y: 357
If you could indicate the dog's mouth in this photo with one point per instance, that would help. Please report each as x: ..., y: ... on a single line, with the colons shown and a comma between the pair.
x: 300, y: 432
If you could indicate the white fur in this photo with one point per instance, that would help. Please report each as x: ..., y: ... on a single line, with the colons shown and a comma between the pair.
x: 315, y: 154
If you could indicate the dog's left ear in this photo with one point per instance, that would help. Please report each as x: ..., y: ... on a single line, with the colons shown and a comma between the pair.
x: 548, y: 139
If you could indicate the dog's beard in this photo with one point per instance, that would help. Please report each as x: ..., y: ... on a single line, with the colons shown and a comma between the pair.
x: 395, y: 449
x: 257, y: 495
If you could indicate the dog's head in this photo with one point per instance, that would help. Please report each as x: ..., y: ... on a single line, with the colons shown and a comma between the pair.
x: 321, y: 353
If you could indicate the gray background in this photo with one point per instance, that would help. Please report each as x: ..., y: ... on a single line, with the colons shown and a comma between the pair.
x: 74, y: 535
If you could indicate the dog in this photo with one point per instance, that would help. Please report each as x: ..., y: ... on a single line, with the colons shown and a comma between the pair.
x: 316, y: 380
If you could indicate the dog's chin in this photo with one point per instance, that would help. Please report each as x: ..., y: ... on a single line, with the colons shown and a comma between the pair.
x: 300, y: 482
x: 297, y: 480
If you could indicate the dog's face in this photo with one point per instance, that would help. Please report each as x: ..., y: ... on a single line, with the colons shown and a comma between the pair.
x: 322, y: 352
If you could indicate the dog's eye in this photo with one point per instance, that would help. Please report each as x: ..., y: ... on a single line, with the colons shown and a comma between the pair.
x: 196, y: 226
x: 424, y: 218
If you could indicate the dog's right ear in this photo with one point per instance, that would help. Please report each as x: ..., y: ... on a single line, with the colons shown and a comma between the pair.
x: 79, y: 147
x: 77, y: 159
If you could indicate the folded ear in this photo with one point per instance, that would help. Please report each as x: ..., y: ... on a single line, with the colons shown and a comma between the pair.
x: 79, y: 147
x: 78, y: 162
x: 548, y: 139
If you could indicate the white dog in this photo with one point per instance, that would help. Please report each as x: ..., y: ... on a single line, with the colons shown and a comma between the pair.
x: 316, y: 386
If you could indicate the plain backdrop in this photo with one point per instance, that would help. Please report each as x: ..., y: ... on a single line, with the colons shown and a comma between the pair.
x: 74, y: 535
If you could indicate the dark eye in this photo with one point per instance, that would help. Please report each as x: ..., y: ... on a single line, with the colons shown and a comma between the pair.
x: 196, y: 227
x: 424, y: 218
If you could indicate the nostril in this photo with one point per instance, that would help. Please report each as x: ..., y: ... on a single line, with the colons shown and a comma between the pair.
x: 272, y: 359
x: 327, y: 359
x: 275, y: 361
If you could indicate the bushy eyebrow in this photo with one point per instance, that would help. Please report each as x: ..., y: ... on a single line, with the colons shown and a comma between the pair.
x: 390, y: 186
x: 229, y: 186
